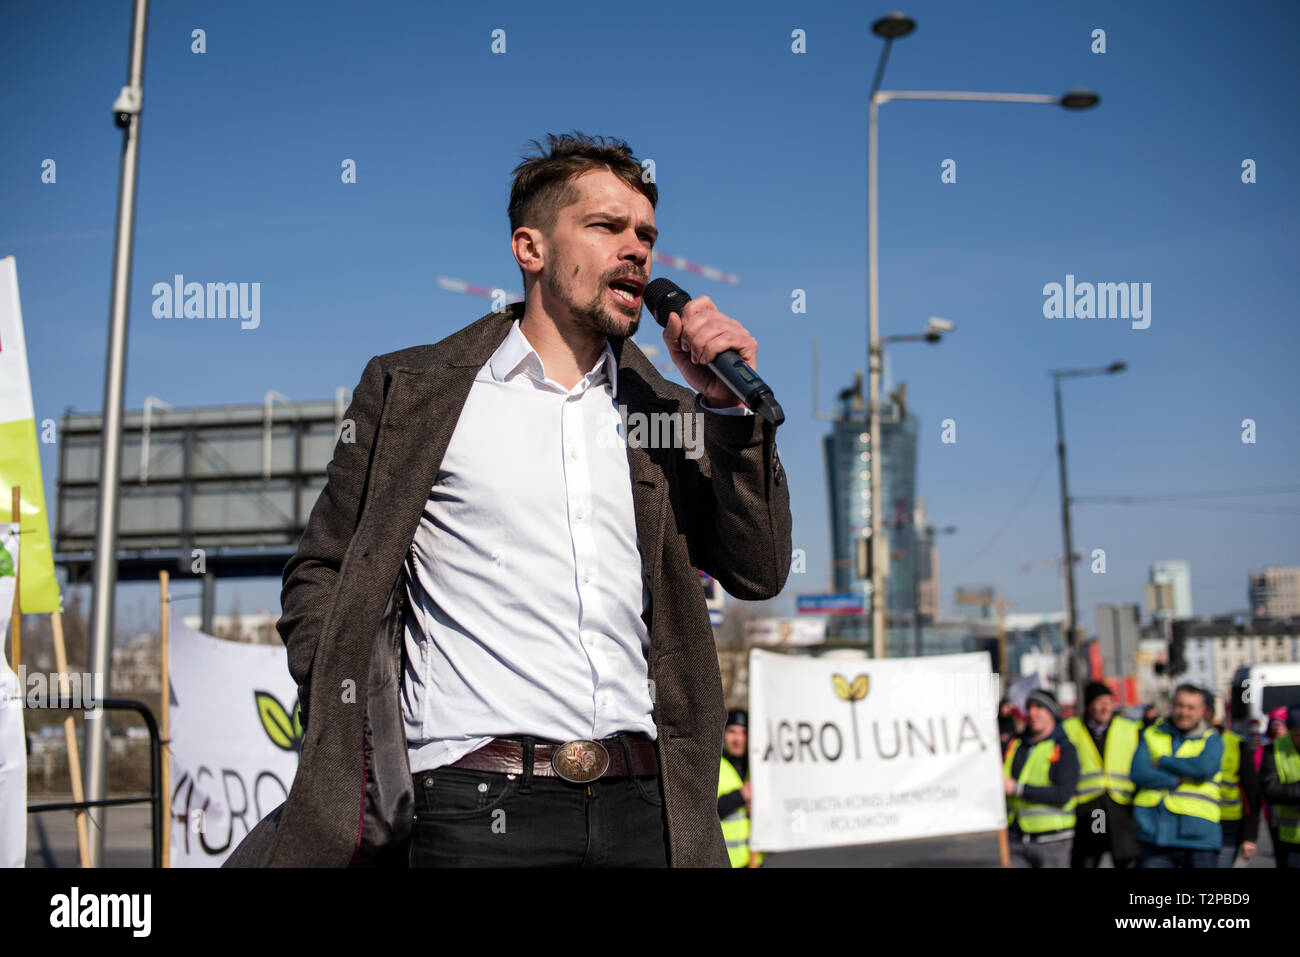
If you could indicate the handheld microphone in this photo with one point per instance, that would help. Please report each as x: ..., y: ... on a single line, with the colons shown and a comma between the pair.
x: 663, y: 296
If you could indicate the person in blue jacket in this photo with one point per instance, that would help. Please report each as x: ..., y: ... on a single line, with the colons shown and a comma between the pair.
x: 1176, y: 806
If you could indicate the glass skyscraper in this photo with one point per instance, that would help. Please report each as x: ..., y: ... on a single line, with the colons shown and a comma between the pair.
x: 851, y: 466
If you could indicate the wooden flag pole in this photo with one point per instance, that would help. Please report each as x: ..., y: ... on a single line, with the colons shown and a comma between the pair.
x: 16, y: 617
x: 70, y: 735
x: 165, y: 604
x: 1004, y: 848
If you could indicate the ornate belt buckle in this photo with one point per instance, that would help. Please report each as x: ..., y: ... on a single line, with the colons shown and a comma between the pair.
x: 580, y: 761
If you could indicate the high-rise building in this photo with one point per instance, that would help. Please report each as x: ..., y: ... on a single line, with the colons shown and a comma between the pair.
x: 851, y: 465
x: 1275, y: 592
x: 1169, y: 589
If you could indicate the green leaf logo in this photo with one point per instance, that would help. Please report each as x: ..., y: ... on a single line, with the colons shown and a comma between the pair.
x: 6, y: 563
x: 285, y: 732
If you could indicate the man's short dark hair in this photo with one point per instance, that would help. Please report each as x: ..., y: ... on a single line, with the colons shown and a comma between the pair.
x: 543, y: 184
x: 1192, y: 689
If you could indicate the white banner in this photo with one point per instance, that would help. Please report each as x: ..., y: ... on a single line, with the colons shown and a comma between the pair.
x: 236, y: 736
x: 860, y: 751
x: 13, y: 740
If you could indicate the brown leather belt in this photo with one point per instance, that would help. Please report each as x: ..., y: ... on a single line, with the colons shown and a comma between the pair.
x: 576, y: 761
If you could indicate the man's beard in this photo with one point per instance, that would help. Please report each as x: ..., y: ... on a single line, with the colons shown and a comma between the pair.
x: 594, y: 314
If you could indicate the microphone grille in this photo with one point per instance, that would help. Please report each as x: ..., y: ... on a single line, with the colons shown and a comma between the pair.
x: 660, y: 298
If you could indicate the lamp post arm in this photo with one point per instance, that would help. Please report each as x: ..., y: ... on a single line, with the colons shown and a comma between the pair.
x: 884, y: 96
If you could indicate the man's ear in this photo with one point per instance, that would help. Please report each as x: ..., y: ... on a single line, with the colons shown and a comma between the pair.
x: 529, y: 248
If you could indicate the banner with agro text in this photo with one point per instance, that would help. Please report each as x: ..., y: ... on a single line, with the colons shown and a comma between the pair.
x: 13, y: 741
x: 862, y: 750
x: 20, y: 464
x: 236, y: 735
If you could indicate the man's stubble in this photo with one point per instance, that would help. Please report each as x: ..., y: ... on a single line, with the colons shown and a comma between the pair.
x: 593, y: 314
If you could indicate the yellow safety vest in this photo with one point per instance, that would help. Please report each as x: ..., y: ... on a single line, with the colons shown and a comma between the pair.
x: 1037, y: 818
x: 735, y: 826
x: 1110, y: 775
x: 1229, y: 778
x: 1190, y: 798
x: 1288, y: 772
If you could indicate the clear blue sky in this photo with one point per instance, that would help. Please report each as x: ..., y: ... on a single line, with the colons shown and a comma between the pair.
x: 760, y: 157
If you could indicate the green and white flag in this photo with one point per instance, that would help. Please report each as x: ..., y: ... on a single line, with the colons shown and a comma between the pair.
x: 20, y: 462
x: 13, y: 741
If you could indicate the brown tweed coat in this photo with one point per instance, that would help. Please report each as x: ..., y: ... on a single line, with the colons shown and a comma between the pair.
x: 344, y: 601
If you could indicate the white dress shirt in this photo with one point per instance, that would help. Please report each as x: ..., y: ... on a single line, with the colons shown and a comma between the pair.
x: 524, y: 578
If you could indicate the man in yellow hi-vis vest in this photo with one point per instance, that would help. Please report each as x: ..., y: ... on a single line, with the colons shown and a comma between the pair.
x: 1105, y: 742
x: 1238, y: 798
x: 1176, y: 807
x: 1279, y: 776
x: 733, y: 790
x: 1040, y: 775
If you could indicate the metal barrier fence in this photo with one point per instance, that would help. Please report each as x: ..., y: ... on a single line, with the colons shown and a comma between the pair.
x: 154, y: 798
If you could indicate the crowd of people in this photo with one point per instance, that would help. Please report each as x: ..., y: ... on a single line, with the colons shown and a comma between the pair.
x: 1169, y: 792
x: 1178, y: 791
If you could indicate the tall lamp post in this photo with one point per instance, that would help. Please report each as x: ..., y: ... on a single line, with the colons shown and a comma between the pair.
x: 934, y: 332
x: 1071, y: 643
x: 890, y: 28
x: 127, y: 111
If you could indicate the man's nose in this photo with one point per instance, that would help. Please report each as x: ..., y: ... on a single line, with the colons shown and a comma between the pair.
x: 636, y: 251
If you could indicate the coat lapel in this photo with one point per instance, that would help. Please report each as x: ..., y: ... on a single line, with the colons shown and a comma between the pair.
x: 649, y: 468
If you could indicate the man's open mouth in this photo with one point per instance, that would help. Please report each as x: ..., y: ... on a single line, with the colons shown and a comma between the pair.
x: 627, y: 291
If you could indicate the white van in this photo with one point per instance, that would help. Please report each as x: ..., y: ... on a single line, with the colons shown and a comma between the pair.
x: 1260, y: 689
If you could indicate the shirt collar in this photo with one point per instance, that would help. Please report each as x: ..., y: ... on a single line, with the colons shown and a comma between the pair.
x: 516, y: 352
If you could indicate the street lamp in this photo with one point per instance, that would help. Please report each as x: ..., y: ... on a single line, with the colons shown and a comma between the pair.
x: 935, y: 329
x: 889, y: 28
x: 1071, y: 609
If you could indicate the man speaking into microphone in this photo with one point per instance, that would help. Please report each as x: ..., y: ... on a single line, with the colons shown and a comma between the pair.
x: 495, y: 615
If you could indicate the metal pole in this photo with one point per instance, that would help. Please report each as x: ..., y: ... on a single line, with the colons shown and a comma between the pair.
x: 1071, y: 612
x: 1119, y: 665
x: 127, y: 109
x: 879, y: 555
x: 916, y: 583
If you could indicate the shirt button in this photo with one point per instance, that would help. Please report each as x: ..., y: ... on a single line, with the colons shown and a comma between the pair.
x: 573, y: 453
x: 586, y: 576
x: 579, y: 514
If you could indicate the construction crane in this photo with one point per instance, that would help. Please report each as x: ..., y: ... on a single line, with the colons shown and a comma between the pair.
x: 1054, y: 560
x: 961, y: 598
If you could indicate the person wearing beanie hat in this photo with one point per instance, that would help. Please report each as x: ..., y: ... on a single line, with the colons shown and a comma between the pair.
x: 734, y: 790
x: 1176, y: 770
x: 1040, y: 777
x: 1045, y: 699
x: 1105, y: 742
x: 1279, y: 775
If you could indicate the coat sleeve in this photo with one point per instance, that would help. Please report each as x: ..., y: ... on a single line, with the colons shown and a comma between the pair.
x: 1275, y: 792
x: 1147, y: 775
x: 1200, y: 768
x: 311, y: 576
x: 739, y: 505
x: 1249, y: 793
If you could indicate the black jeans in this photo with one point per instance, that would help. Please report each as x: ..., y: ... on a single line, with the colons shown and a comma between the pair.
x: 466, y: 818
